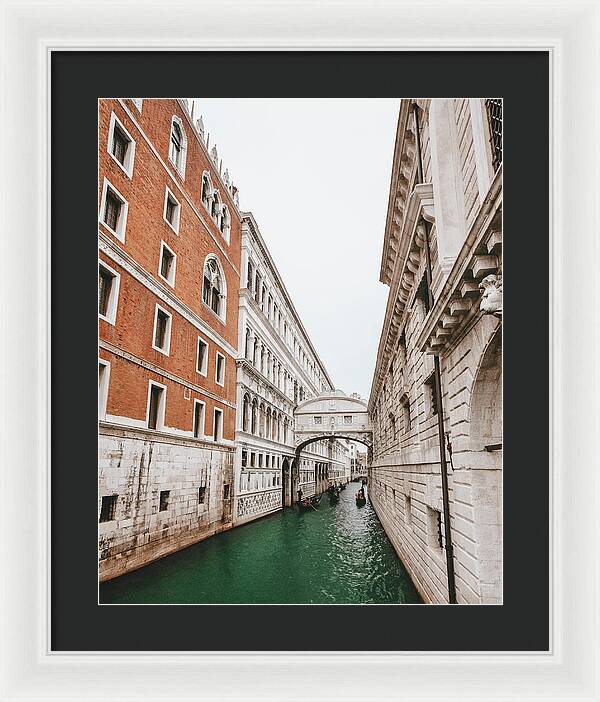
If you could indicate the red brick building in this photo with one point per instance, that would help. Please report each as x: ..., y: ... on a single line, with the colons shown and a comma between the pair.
x: 169, y: 275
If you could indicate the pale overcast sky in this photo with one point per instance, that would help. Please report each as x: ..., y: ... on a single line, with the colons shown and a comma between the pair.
x: 316, y: 173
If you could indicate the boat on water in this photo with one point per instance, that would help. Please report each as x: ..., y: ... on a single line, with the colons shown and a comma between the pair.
x: 309, y: 503
x: 361, y: 499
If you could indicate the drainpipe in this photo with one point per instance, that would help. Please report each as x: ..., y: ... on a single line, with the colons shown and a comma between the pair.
x: 438, y: 392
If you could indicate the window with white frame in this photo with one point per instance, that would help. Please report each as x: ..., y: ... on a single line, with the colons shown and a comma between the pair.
x: 121, y: 145
x: 108, y: 292
x: 178, y: 145
x: 225, y: 223
x: 113, y: 210
x: 218, y: 425
x: 172, y: 211
x: 168, y: 262
x: 161, y: 338
x: 199, y: 410
x: 220, y: 369
x: 206, y: 193
x: 155, y: 413
x: 103, y: 382
x: 202, y: 357
x: 213, y: 287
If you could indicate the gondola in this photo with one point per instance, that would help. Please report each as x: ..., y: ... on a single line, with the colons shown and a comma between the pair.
x: 334, y: 496
x: 361, y: 499
x: 309, y: 503
x: 342, y: 486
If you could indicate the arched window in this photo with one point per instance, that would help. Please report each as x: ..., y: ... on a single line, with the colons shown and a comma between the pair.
x: 268, y: 423
x: 178, y: 145
x: 225, y: 223
x: 261, y: 420
x: 255, y: 353
x: 215, y: 207
x: 206, y: 189
x: 253, y: 426
x: 247, y: 347
x: 213, y: 287
x: 246, y: 413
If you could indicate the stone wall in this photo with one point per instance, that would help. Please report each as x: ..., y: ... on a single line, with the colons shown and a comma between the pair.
x: 136, y: 466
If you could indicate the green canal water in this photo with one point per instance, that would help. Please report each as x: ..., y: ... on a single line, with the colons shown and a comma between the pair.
x: 338, y: 554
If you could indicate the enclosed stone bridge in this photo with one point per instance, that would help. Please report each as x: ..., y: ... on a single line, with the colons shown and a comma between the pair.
x: 332, y: 415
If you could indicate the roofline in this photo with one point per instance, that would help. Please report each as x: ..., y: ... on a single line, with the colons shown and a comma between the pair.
x: 250, y: 219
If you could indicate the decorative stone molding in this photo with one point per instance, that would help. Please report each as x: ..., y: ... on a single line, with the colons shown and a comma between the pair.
x: 491, y: 301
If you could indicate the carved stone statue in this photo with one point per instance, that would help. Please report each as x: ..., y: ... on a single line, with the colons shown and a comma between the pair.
x: 491, y: 300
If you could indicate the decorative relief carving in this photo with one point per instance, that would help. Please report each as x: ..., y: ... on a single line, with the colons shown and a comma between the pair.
x: 491, y: 300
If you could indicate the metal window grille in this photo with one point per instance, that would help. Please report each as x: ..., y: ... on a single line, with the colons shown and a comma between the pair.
x: 201, y: 494
x: 112, y: 209
x: 432, y: 395
x: 119, y: 145
x: 164, y: 500
x: 439, y: 529
x: 105, y: 280
x: 108, y: 508
x: 494, y: 115
x: 161, y: 329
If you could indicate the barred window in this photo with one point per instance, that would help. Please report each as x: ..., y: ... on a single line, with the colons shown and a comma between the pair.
x: 494, y: 115
x: 108, y: 508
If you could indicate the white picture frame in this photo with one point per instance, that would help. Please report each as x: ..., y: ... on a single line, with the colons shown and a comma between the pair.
x: 569, y: 30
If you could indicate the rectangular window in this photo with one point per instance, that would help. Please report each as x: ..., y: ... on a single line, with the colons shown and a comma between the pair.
x: 201, y: 494
x: 168, y: 262
x: 406, y: 414
x: 244, y: 458
x: 108, y: 508
x: 218, y: 425
x: 164, y: 500
x: 260, y: 460
x: 198, y: 419
x: 156, y: 406
x: 113, y: 210
x: 423, y: 294
x: 318, y: 420
x: 494, y: 114
x: 162, y: 330
x: 220, y: 369
x: 252, y: 459
x: 226, y: 492
x: 267, y: 460
x: 121, y: 146
x: 431, y: 399
x: 172, y: 211
x: 347, y: 419
x: 108, y: 292
x: 103, y: 378
x: 434, y: 528
x: 202, y: 357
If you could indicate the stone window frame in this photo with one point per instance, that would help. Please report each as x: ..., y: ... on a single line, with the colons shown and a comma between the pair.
x: 221, y: 356
x: 127, y: 165
x: 113, y: 299
x: 218, y: 435
x: 169, y: 195
x: 204, y: 370
x: 180, y: 163
x: 119, y: 232
x: 201, y: 433
x: 170, y: 280
x: 160, y: 415
x: 103, y: 387
x: 167, y: 347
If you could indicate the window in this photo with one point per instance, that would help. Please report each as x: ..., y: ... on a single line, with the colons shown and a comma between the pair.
x: 103, y: 379
x: 156, y: 405
x: 120, y: 145
x: 168, y: 260
x: 108, y: 508
x: 252, y: 459
x: 431, y: 399
x: 178, y: 145
x: 225, y: 223
x: 405, y: 402
x: 244, y: 458
x: 250, y: 276
x: 423, y: 294
x: 206, y: 190
x: 172, y: 211
x: 108, y: 292
x: 434, y: 528
x: 201, y: 494
x: 213, y: 289
x: 494, y: 114
x: 198, y: 419
x: 318, y: 420
x: 260, y: 460
x: 113, y: 210
x: 202, y: 357
x: 164, y: 500
x: 347, y: 419
x: 220, y: 369
x: 218, y: 425
x: 226, y: 491
x: 407, y: 510
x: 162, y: 330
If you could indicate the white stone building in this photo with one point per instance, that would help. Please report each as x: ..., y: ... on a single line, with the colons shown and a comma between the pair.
x: 277, y: 368
x: 442, y: 261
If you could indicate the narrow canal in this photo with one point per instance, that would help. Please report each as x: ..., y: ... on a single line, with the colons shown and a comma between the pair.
x: 338, y: 554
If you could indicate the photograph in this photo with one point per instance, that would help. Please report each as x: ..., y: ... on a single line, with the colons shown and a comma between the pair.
x: 300, y: 351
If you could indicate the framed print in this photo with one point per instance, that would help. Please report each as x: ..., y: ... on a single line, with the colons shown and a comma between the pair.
x: 303, y: 485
